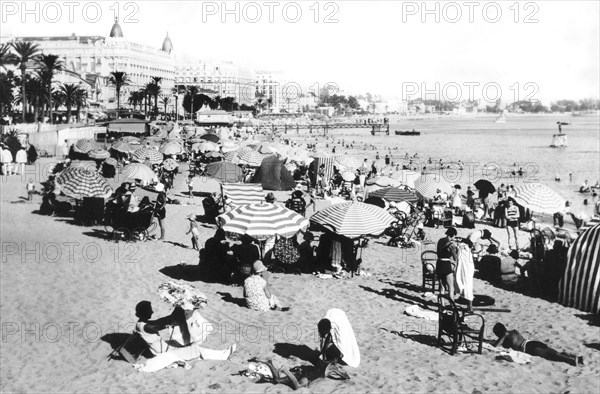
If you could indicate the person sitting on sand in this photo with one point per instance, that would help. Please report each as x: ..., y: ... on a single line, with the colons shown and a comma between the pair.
x: 257, y: 291
x: 166, y: 354
x: 477, y: 236
x: 585, y: 187
x: 515, y: 341
x: 338, y: 344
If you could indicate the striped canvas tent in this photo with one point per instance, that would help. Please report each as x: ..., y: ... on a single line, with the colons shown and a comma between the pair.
x: 395, y: 194
x: 580, y: 285
x: 243, y: 193
x: 328, y: 161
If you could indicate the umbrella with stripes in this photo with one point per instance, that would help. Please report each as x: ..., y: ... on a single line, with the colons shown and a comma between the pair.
x: 539, y: 198
x: 408, y: 177
x: 171, y: 148
x: 146, y: 153
x: 99, y: 154
x: 138, y: 171
x: 353, y: 219
x: 111, y: 162
x: 262, y: 221
x: 580, y: 285
x: 81, y: 182
x: 250, y: 157
x: 89, y: 164
x: 122, y: 146
x: 427, y: 185
x: 395, y: 194
x: 348, y: 162
x: 85, y: 145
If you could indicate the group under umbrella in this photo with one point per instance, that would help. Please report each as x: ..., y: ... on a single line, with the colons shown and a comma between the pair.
x: 353, y: 219
x: 81, y: 182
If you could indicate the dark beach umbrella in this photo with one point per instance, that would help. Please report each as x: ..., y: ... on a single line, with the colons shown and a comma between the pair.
x: 377, y: 201
x: 485, y: 186
x: 224, y: 171
x: 210, y: 137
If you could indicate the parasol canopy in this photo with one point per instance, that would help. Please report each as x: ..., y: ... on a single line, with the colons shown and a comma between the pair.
x: 213, y: 154
x: 122, y: 146
x: 138, y: 171
x: 427, y: 185
x: 262, y: 221
x: 111, y: 162
x: 85, y: 145
x: 224, y: 171
x: 170, y: 165
x: 206, y: 146
x: 99, y: 154
x: 249, y: 157
x: 348, y: 176
x: 210, y: 137
x: 146, y: 153
x: 485, y: 186
x: 353, y: 219
x: 348, y: 162
x: 88, y: 164
x: 171, y: 148
x: 539, y: 198
x: 377, y: 201
x: 81, y: 182
x: 395, y: 194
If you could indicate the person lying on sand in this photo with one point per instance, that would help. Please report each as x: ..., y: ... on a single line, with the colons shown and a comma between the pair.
x: 514, y: 340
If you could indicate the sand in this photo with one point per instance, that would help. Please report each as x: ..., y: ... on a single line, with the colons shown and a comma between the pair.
x: 68, y: 297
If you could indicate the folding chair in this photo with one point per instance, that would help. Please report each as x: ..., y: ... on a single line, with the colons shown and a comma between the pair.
x: 428, y: 261
x: 459, y: 326
x: 131, y: 350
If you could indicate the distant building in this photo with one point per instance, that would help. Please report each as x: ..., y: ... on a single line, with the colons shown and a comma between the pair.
x: 268, y: 87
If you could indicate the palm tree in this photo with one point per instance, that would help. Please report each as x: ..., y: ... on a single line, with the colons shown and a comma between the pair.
x: 81, y: 96
x: 118, y: 79
x: 149, y: 89
x: 69, y: 90
x: 7, y: 58
x: 156, y: 91
x: 175, y: 93
x: 165, y: 100
x: 25, y: 52
x: 50, y: 65
x: 136, y: 97
x: 7, y: 83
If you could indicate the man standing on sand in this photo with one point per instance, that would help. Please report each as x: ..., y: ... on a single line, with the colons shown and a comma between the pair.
x: 65, y: 149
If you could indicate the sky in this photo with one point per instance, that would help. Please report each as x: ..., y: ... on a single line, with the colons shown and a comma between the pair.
x: 512, y: 50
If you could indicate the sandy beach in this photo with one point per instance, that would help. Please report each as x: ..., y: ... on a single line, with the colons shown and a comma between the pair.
x: 68, y: 298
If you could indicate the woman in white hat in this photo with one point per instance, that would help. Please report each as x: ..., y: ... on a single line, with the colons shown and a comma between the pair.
x: 257, y: 294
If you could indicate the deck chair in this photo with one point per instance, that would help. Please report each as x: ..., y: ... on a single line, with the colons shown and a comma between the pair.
x: 459, y: 326
x: 428, y: 261
x: 131, y: 350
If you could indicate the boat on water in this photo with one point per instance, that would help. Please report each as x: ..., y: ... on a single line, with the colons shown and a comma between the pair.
x: 413, y: 132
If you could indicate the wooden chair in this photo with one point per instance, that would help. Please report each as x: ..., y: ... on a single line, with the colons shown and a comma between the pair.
x: 428, y: 261
x: 459, y: 326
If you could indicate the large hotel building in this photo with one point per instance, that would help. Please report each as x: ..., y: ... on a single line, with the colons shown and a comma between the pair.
x: 91, y: 59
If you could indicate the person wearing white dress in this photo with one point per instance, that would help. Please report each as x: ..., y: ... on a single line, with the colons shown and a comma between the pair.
x: 7, y: 159
x: 20, y: 159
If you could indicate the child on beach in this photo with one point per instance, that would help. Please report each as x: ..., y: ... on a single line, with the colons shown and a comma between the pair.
x: 194, y: 230
x: 30, y: 189
x: 190, y: 185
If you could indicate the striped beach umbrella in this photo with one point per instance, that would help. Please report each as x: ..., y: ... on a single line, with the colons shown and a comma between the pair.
x: 250, y: 157
x: 348, y: 162
x: 89, y: 164
x: 111, y: 162
x: 262, y: 221
x: 539, y: 198
x: 427, y: 185
x: 130, y: 139
x: 353, y: 219
x: 171, y: 148
x: 85, y: 145
x: 81, y: 182
x: 580, y: 285
x: 122, y: 146
x: 395, y: 194
x: 99, y: 154
x: 145, y: 153
x: 138, y: 171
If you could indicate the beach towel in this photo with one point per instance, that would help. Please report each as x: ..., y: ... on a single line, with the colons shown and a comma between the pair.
x: 343, y: 336
x: 416, y: 311
x: 465, y: 269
